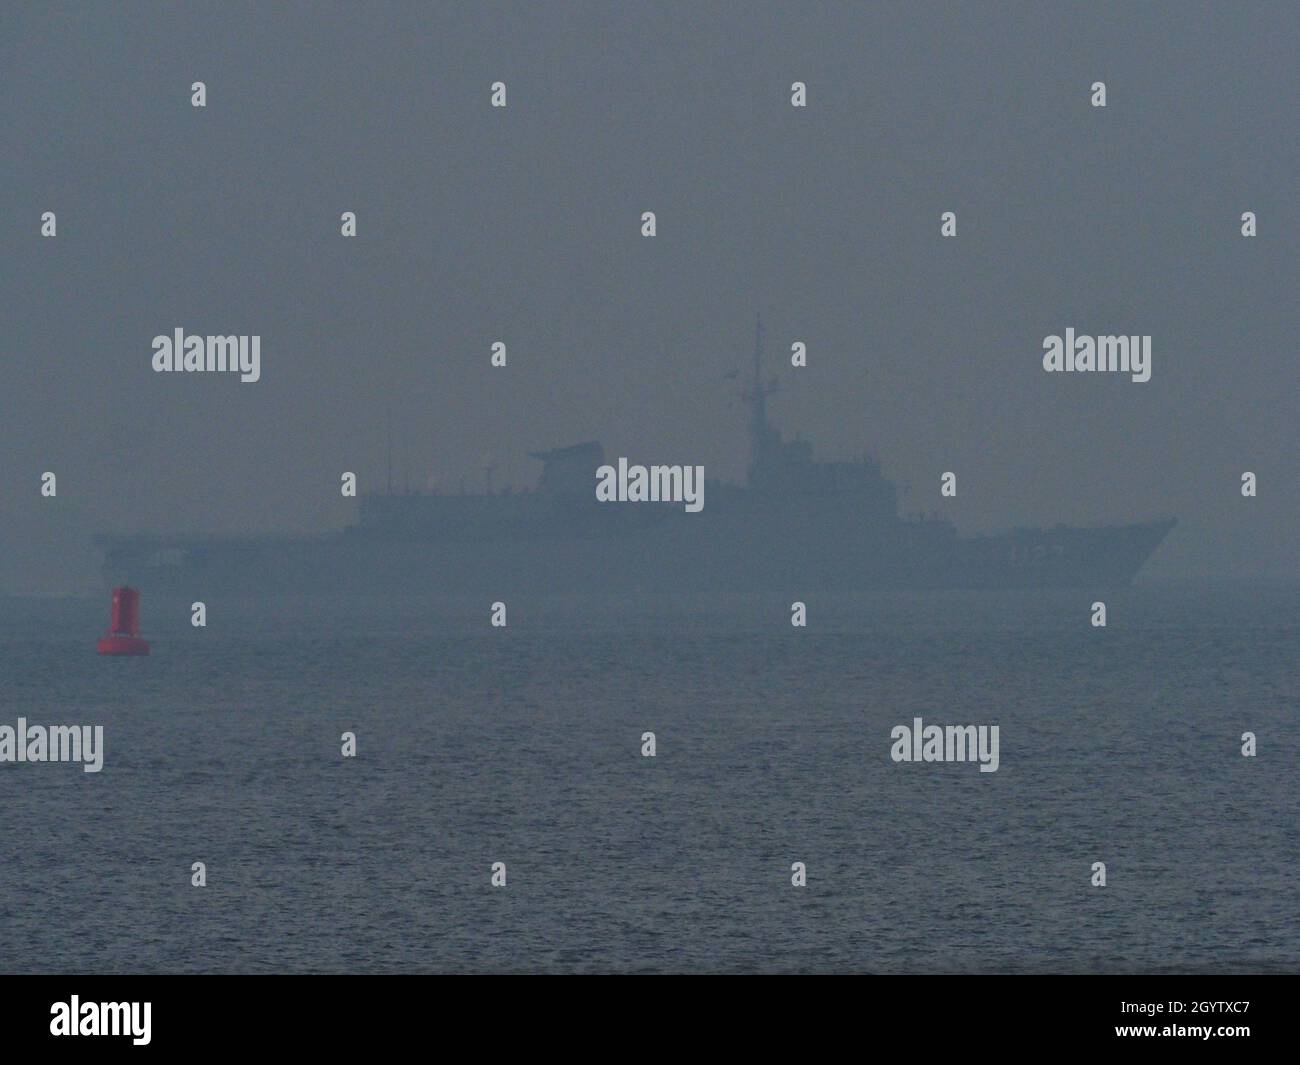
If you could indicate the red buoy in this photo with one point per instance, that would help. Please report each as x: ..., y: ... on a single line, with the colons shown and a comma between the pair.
x: 123, y: 637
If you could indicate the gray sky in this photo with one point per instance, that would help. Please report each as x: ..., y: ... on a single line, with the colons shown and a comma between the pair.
x: 523, y: 225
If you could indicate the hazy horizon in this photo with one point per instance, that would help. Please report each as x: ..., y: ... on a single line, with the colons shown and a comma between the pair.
x: 522, y: 224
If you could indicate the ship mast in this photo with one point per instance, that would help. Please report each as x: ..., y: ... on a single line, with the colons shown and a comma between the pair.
x: 756, y: 396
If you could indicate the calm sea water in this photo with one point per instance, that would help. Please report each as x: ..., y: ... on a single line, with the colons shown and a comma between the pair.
x: 522, y: 745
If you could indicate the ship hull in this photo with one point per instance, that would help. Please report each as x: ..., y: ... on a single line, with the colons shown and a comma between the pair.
x: 671, y: 556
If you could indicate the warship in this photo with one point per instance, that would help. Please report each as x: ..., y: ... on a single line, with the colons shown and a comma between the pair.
x: 798, y: 523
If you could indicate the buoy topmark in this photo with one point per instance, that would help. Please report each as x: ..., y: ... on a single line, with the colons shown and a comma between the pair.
x: 123, y: 637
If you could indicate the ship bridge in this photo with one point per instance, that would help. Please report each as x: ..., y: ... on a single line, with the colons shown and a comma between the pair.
x: 570, y: 470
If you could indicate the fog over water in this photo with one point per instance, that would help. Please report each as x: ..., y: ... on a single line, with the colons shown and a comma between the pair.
x: 349, y: 768
x: 523, y: 225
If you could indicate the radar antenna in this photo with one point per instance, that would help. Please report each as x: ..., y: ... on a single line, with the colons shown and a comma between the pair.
x: 755, y: 396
